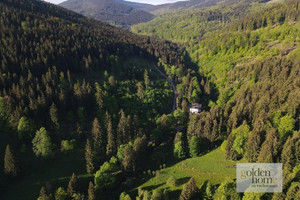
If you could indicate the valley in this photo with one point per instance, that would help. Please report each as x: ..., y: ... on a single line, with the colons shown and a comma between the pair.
x: 89, y: 110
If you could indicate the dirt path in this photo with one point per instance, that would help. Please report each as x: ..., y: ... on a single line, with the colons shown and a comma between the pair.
x: 173, y: 87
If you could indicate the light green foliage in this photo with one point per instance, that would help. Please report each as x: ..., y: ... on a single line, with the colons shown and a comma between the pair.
x: 208, y: 191
x: 276, y: 118
x: 104, y: 177
x: 61, y: 194
x: 78, y: 196
x: 240, y: 135
x: 192, y: 24
x: 179, y: 150
x: 227, y: 190
x: 122, y: 195
x: 120, y: 154
x: 25, y: 127
x: 293, y: 191
x: 41, y: 144
x: 127, y: 197
x: 286, y: 125
x: 194, y: 146
x: 172, y: 181
x: 68, y: 145
x: 157, y: 194
x: 223, y: 145
x: 253, y: 196
x: 201, y: 167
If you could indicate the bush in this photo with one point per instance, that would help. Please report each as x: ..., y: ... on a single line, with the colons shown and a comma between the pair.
x: 68, y: 145
x: 223, y: 145
x: 172, y: 181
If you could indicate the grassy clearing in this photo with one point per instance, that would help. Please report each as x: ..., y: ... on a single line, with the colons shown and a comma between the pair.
x: 211, y: 166
x: 51, y: 174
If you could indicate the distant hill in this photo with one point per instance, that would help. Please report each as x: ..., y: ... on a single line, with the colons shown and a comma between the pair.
x: 192, y: 4
x: 188, y: 25
x: 113, y: 11
x: 135, y: 5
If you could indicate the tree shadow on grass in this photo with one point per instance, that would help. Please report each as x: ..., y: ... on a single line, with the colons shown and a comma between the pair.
x: 182, y: 181
x: 174, y: 194
x: 152, y: 187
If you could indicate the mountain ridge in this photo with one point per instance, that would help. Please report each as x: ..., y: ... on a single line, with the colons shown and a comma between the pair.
x: 113, y: 11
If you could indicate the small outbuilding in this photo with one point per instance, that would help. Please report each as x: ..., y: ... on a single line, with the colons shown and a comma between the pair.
x: 195, y: 108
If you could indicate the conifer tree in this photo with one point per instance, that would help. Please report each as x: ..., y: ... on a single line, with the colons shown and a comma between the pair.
x: 91, y: 191
x: 208, y: 191
x: 194, y: 146
x: 99, y: 97
x: 252, y: 146
x: 229, y: 152
x: 98, y: 138
x: 129, y: 161
x: 140, y: 147
x: 190, y: 190
x: 146, y: 79
x: 89, y: 157
x: 10, y: 163
x: 179, y: 147
x: 184, y: 106
x: 111, y: 144
x: 140, y: 90
x: 288, y: 155
x: 72, y: 186
x: 43, y: 194
x: 269, y: 148
x: 54, y: 115
x: 122, y: 129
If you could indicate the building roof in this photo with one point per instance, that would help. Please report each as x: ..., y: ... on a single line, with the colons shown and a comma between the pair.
x: 196, y: 105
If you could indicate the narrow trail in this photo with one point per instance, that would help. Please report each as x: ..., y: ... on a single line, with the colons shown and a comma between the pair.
x: 173, y: 87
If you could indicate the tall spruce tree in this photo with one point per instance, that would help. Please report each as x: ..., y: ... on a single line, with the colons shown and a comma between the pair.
x: 72, y: 186
x: 98, y: 138
x: 91, y: 191
x: 288, y: 155
x: 10, y: 163
x: 190, y: 191
x: 146, y: 79
x: 43, y: 194
x: 252, y: 146
x: 129, y: 161
x: 111, y: 148
x: 269, y: 148
x: 230, y: 155
x: 123, y: 130
x: 54, y: 115
x: 89, y: 157
x: 194, y: 146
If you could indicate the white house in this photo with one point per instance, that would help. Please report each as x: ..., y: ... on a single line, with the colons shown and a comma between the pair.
x: 195, y: 108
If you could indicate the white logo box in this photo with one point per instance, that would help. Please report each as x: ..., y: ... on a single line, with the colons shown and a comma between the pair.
x: 259, y: 177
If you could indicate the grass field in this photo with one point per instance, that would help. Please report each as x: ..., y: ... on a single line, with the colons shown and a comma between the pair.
x: 212, y: 166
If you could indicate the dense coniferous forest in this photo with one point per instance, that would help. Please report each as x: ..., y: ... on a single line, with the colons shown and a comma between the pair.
x: 85, y: 112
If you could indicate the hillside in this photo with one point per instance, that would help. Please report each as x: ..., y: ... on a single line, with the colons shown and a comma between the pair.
x: 115, y: 12
x: 87, y: 109
x: 190, y: 25
x: 188, y: 5
x: 65, y: 80
x: 252, y: 68
x: 134, y: 4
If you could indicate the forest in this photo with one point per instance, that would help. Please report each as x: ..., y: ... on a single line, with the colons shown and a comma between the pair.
x: 84, y: 113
